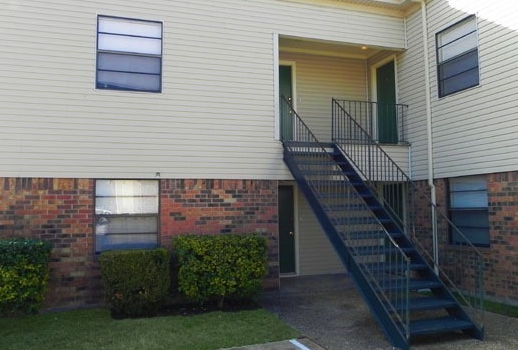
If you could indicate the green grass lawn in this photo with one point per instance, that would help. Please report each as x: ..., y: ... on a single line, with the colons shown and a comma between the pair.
x: 95, y: 329
x: 501, y: 308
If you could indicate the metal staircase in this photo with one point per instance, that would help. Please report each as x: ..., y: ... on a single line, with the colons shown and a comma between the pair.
x: 407, y: 295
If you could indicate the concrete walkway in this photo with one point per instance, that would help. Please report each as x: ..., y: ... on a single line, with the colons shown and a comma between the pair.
x: 331, y: 315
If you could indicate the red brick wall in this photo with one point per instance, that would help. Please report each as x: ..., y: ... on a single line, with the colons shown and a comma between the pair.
x: 222, y: 206
x: 59, y: 211
x: 62, y: 212
x: 501, y: 257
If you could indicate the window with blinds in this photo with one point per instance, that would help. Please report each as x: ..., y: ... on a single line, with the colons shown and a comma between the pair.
x: 469, y: 210
x: 126, y: 214
x: 457, y: 57
x: 129, y: 54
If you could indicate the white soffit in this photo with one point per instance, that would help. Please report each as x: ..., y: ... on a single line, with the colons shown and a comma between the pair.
x: 391, y: 7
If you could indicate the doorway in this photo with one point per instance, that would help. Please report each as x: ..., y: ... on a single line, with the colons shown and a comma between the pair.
x: 287, y: 258
x: 386, y: 109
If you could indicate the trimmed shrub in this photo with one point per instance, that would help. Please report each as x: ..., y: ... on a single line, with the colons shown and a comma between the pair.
x: 24, y: 273
x: 220, y: 266
x: 136, y: 282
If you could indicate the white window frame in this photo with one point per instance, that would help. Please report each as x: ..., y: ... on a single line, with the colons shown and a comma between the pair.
x: 458, y: 65
x: 129, y: 54
x: 126, y: 214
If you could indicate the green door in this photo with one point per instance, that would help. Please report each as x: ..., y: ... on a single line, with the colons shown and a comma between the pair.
x: 286, y: 230
x: 286, y: 91
x: 386, y: 91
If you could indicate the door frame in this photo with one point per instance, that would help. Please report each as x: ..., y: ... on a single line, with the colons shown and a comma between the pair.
x: 374, y: 87
x: 295, y: 226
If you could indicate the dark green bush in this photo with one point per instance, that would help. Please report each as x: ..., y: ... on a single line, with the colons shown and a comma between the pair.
x: 220, y: 266
x: 136, y: 282
x: 24, y: 274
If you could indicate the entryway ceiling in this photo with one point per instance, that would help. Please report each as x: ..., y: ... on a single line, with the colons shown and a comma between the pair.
x: 326, y: 48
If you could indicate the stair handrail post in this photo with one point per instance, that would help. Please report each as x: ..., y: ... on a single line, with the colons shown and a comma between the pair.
x: 335, y: 124
x: 282, y: 118
x: 407, y: 301
x: 435, y: 239
x: 480, y: 289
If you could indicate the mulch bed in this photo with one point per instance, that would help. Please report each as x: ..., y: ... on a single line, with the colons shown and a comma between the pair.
x: 189, y: 308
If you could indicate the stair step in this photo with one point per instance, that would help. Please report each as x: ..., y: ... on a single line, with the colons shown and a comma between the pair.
x: 431, y: 303
x: 417, y: 284
x: 379, y: 250
x: 385, y: 267
x: 352, y: 207
x: 321, y: 162
x: 330, y: 195
x: 373, y: 234
x: 373, y: 240
x: 359, y: 220
x: 322, y: 172
x: 414, y: 284
x: 302, y: 144
x: 322, y: 159
x: 438, y: 325
x: 427, y: 303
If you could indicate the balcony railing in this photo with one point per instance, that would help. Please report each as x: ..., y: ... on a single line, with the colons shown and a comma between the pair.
x: 383, y: 122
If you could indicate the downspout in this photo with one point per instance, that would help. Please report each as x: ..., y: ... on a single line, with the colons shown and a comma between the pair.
x: 424, y: 23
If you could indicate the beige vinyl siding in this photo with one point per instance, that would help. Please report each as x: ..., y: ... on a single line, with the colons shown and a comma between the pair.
x: 320, y: 78
x: 316, y: 254
x: 214, y: 117
x: 474, y: 131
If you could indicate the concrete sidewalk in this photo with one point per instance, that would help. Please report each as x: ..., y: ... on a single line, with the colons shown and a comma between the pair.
x: 331, y: 315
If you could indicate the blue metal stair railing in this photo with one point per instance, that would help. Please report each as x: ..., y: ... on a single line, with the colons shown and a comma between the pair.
x: 460, y: 267
x: 380, y: 268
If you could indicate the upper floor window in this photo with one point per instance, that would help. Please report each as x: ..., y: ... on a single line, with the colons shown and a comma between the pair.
x: 457, y: 57
x: 469, y: 209
x: 129, y: 54
x: 126, y: 214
